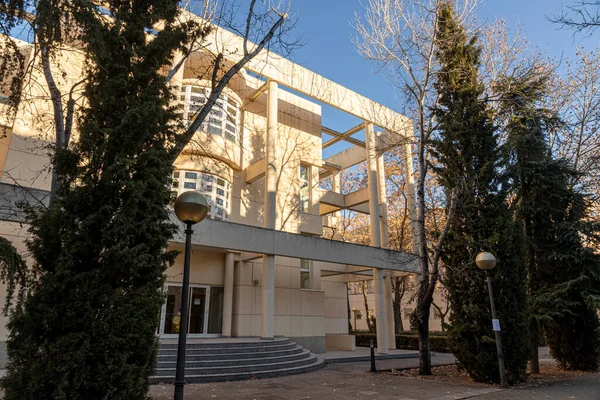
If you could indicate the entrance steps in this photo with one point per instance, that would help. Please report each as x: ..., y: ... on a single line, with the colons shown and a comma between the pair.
x: 236, y: 359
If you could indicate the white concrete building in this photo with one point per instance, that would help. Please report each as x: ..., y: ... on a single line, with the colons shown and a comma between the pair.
x: 260, y: 266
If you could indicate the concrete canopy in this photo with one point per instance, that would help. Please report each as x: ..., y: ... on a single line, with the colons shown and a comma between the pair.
x: 252, y: 239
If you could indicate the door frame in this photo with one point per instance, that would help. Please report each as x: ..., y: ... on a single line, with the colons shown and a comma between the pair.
x: 163, y: 313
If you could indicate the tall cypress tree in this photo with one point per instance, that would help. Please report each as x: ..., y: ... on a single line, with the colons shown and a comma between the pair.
x: 87, y: 327
x: 563, y: 271
x: 469, y: 165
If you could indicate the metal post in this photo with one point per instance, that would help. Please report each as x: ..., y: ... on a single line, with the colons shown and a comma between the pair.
x: 183, y: 318
x: 503, y: 380
x: 373, y: 369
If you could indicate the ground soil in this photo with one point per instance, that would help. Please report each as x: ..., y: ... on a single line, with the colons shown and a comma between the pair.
x: 452, y: 374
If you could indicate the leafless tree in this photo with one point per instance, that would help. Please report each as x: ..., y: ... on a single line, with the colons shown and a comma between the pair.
x: 399, y: 289
x: 442, y: 306
x: 400, y: 36
x: 582, y: 16
x: 263, y: 26
x: 576, y: 96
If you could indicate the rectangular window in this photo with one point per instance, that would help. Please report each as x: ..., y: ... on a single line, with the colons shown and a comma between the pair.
x: 189, y: 185
x: 304, y: 188
x: 191, y: 175
x: 215, y: 309
x: 304, y: 274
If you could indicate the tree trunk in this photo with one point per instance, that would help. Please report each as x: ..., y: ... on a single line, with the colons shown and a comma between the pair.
x: 367, y: 318
x: 398, y: 324
x: 349, y: 311
x: 534, y: 362
x: 423, y: 330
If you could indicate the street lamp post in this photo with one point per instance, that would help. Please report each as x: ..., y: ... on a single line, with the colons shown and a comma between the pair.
x: 190, y: 208
x: 486, y: 262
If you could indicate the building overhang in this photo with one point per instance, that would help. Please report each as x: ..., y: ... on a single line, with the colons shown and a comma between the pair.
x: 246, y: 238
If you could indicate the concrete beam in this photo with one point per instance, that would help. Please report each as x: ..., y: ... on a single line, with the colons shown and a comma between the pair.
x: 361, y: 208
x: 227, y: 235
x: 256, y: 170
x: 347, y: 158
x: 333, y: 199
x: 298, y: 78
x: 357, y: 201
x: 258, y: 92
x: 337, y: 136
x: 325, y: 209
x: 355, y: 198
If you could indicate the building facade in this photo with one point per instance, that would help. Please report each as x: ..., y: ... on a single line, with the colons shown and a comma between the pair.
x: 260, y: 265
x: 361, y: 306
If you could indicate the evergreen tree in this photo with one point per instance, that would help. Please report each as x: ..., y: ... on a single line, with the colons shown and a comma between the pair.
x: 563, y: 271
x: 87, y: 327
x: 469, y: 165
x: 84, y: 323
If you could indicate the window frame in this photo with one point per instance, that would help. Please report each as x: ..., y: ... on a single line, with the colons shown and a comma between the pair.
x: 223, y: 119
x: 207, y: 184
x: 305, y: 185
x: 305, y: 270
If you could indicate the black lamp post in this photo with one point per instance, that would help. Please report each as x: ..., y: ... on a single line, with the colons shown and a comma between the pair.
x: 190, y: 208
x: 486, y: 262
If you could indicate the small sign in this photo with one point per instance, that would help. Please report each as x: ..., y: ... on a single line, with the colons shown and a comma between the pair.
x: 496, y: 325
x: 196, y: 302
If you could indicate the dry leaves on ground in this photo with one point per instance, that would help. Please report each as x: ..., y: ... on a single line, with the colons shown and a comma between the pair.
x: 452, y: 374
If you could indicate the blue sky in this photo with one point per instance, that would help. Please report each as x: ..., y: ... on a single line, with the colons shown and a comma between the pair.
x: 326, y: 27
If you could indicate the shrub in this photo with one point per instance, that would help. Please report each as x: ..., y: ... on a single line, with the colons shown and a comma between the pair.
x: 408, y: 341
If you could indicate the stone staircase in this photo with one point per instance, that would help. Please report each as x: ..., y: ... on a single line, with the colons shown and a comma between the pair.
x: 235, y: 359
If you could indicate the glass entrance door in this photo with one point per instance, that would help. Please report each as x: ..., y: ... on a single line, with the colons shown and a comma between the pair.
x: 198, y: 310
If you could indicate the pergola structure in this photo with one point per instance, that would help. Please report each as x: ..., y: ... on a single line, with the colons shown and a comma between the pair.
x: 397, y: 131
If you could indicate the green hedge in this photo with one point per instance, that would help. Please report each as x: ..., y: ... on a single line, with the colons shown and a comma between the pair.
x: 408, y: 341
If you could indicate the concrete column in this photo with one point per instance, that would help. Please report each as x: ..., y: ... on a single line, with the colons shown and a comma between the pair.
x: 271, y: 156
x: 268, y: 298
x: 385, y: 243
x: 237, y: 287
x: 337, y: 188
x: 373, y: 180
x: 384, y: 228
x: 268, y: 271
x: 389, y: 312
x: 177, y: 78
x: 315, y: 275
x: 410, y: 194
x: 227, y: 295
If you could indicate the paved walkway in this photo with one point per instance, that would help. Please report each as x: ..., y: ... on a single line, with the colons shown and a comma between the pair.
x: 354, y: 381
x: 334, y: 381
x: 582, y: 388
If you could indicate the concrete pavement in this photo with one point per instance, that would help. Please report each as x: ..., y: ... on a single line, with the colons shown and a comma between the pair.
x: 354, y: 381
x: 335, y: 381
